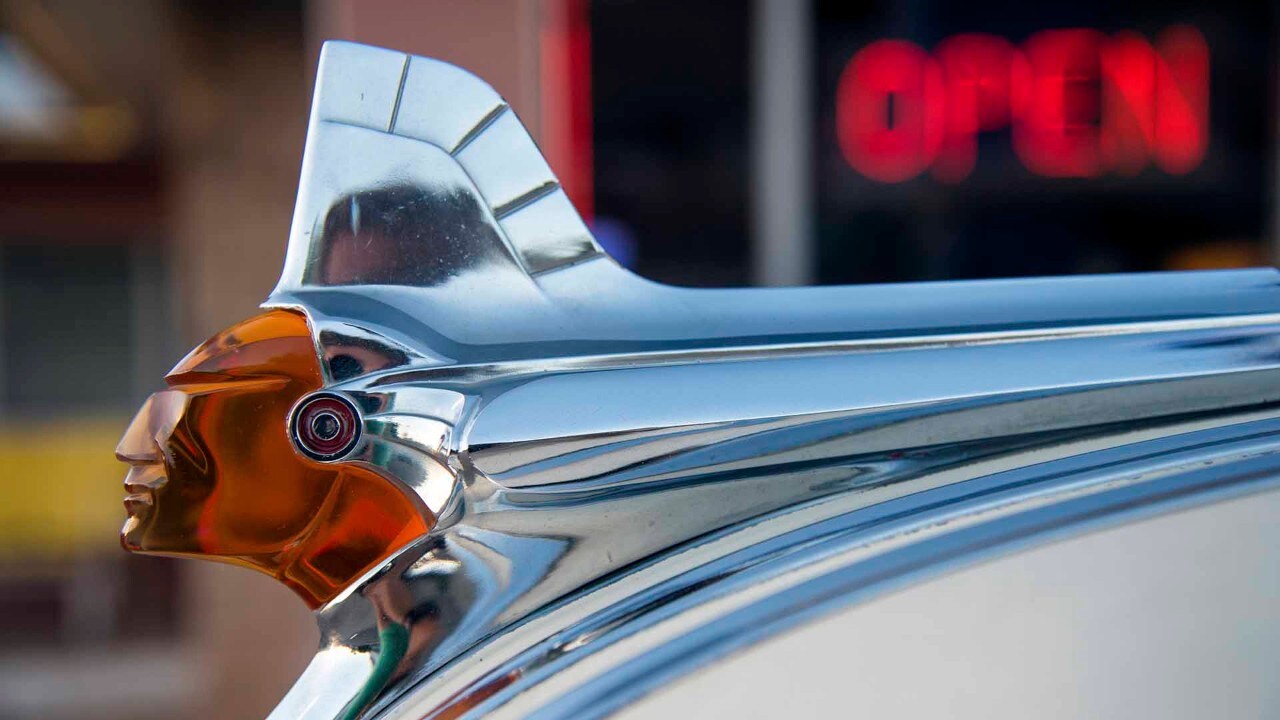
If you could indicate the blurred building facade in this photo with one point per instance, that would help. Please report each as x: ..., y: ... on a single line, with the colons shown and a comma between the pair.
x: 149, y: 152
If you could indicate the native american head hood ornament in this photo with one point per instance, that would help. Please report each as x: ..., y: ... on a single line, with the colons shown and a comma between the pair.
x: 484, y: 452
x: 422, y: 200
x: 235, y: 461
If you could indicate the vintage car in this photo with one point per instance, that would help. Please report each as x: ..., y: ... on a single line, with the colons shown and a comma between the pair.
x: 513, y: 479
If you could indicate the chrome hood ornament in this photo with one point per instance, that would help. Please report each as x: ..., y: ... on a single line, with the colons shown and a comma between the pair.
x: 511, y: 476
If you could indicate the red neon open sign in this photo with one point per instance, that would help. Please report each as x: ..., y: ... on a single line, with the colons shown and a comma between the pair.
x: 1079, y: 103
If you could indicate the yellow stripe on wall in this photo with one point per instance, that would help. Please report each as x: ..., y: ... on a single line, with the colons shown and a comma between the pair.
x: 61, y: 487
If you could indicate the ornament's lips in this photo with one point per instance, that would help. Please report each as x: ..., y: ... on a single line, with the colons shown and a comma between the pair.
x: 137, y: 497
x: 140, y: 485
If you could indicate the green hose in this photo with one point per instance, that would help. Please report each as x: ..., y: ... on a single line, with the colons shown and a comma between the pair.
x: 393, y: 640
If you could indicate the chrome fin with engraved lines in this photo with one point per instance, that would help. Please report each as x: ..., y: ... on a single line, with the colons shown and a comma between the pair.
x: 417, y: 180
x: 446, y: 116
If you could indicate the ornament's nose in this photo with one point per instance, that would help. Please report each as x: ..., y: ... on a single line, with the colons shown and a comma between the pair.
x: 151, y: 427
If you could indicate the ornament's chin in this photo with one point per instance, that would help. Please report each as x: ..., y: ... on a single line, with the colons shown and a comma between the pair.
x: 131, y: 534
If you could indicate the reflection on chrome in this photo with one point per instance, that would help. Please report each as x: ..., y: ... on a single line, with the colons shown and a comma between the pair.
x: 630, y: 480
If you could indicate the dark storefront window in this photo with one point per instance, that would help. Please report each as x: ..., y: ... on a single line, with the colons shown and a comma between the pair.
x: 1148, y: 173
x: 670, y: 127
x: 948, y: 140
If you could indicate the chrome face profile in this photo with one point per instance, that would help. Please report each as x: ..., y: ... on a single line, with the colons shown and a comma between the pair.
x: 630, y: 481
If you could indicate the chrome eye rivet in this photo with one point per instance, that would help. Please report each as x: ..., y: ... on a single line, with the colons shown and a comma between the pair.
x: 325, y: 426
